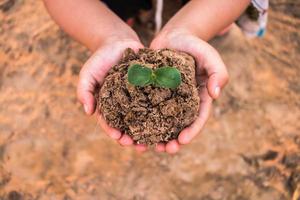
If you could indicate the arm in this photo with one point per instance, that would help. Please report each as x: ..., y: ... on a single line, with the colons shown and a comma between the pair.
x: 197, y: 22
x: 94, y: 25
x: 206, y: 18
x: 89, y: 21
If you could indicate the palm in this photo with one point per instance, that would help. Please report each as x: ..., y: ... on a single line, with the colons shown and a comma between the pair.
x: 93, y: 74
x: 211, y: 74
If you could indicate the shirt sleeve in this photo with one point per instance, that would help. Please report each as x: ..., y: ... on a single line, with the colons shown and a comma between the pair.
x: 253, y: 21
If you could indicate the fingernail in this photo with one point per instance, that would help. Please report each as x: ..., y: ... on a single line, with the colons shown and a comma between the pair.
x: 217, y: 91
x: 86, y: 109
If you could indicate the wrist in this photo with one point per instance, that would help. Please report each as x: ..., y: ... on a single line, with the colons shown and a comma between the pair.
x: 167, y: 35
x: 127, y: 36
x: 119, y: 39
x: 118, y: 45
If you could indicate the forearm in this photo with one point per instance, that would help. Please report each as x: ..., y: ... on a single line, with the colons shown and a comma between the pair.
x: 206, y: 18
x: 89, y: 21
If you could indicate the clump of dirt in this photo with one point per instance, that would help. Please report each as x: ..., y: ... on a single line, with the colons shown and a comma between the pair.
x: 278, y: 167
x: 150, y: 114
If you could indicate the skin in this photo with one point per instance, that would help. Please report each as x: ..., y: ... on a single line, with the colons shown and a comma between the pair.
x: 211, y: 75
x: 205, y: 18
x: 107, y: 36
x: 188, y: 30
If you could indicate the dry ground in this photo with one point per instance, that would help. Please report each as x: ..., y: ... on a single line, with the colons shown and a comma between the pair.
x: 249, y: 149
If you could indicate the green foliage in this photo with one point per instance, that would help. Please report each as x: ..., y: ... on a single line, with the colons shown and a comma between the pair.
x: 139, y: 75
x: 165, y: 77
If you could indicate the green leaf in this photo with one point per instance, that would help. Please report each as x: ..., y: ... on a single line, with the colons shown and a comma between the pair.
x: 167, y: 77
x: 139, y: 75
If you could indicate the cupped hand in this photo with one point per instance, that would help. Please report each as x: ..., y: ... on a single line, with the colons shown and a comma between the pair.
x: 211, y: 75
x: 92, y: 75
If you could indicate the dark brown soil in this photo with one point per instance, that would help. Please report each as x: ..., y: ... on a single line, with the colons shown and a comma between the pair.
x: 150, y: 114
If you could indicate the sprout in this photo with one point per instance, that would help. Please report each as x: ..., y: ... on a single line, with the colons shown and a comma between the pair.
x: 165, y: 77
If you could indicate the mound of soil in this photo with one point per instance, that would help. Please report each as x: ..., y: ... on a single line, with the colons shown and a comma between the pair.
x: 150, y: 114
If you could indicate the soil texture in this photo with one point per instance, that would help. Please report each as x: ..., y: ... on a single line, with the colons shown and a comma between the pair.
x: 150, y: 114
x: 49, y: 149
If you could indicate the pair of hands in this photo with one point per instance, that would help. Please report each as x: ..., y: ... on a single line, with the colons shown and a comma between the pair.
x: 211, y: 76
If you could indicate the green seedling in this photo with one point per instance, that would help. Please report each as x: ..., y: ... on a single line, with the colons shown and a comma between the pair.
x: 165, y: 77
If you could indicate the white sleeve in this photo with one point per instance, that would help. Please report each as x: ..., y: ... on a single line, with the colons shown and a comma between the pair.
x: 254, y: 21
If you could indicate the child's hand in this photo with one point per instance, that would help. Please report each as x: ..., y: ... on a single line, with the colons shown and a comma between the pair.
x: 211, y: 76
x: 92, y: 75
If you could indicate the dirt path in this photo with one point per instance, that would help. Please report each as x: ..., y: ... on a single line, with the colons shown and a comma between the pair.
x: 250, y: 148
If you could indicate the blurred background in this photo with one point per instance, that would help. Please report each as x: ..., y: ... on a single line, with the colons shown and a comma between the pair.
x: 49, y: 149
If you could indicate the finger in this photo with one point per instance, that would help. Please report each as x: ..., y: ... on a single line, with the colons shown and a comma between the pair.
x: 160, y: 147
x: 136, y: 46
x: 172, y: 147
x: 140, y: 148
x: 125, y: 140
x: 91, y: 74
x: 85, y: 90
x: 105, y: 58
x: 190, y: 132
x: 111, y: 132
x: 95, y: 69
x: 206, y: 56
x: 216, y: 81
x: 210, y: 60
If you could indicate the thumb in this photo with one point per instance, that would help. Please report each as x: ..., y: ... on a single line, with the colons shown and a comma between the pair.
x: 210, y: 60
x: 93, y: 73
x: 216, y: 81
x: 95, y: 69
x: 85, y: 89
x: 207, y: 58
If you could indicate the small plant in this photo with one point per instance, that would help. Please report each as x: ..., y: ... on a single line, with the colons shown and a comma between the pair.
x: 165, y: 77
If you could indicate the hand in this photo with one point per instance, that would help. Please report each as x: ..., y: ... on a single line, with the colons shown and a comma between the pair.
x: 92, y: 75
x: 211, y: 75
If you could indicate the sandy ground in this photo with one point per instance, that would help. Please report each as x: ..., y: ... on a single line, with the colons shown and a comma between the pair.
x: 249, y: 149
